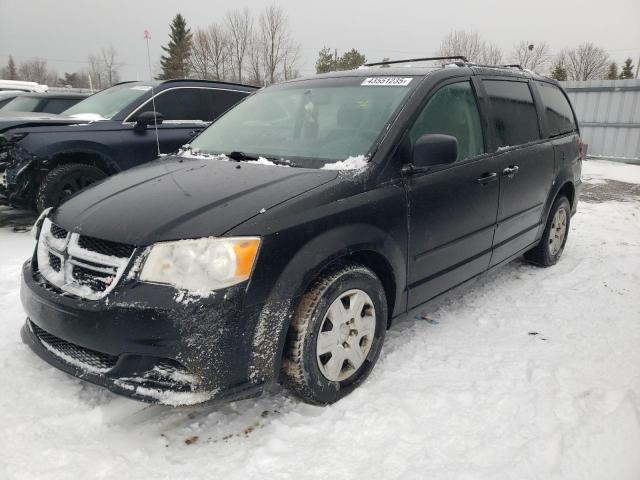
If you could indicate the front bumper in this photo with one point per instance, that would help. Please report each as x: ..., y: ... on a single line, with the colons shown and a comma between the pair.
x: 145, y: 341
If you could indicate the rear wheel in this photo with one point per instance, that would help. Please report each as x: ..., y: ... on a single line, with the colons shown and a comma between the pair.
x: 336, y: 335
x: 554, y: 238
x: 65, y: 180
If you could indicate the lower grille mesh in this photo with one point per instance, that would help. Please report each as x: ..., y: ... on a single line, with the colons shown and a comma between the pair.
x: 78, y: 355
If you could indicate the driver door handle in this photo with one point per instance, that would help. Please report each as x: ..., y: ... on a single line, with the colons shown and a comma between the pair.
x: 487, y: 178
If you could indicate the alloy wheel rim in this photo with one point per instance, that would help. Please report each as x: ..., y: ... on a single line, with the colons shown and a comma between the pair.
x: 346, y: 334
x: 558, y: 231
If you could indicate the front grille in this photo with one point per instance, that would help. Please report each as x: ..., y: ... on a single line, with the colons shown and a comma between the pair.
x: 58, y: 232
x: 74, y: 354
x: 105, y: 247
x: 97, y: 281
x: 79, y: 265
x: 55, y: 262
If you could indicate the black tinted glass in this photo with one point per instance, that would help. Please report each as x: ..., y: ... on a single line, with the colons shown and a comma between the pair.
x: 514, y: 114
x: 58, y: 105
x: 557, y: 110
x: 180, y: 104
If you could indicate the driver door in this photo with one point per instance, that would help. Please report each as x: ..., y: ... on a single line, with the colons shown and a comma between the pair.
x: 453, y: 207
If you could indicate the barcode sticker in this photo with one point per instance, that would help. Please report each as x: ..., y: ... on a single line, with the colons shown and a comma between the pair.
x: 387, y: 81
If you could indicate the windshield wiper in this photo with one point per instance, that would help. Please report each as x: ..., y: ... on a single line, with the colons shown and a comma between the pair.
x: 241, y: 156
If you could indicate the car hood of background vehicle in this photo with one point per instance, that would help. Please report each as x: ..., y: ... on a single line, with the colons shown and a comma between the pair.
x: 174, y: 198
x: 9, y: 120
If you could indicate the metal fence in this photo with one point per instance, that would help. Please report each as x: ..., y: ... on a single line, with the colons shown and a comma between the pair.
x: 609, y: 115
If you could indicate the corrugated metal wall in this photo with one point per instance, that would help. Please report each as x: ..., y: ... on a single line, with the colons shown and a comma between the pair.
x: 609, y: 115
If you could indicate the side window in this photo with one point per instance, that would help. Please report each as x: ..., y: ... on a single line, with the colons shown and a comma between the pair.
x: 180, y: 104
x: 57, y: 105
x: 515, y: 118
x: 557, y: 110
x: 452, y: 110
x: 219, y: 101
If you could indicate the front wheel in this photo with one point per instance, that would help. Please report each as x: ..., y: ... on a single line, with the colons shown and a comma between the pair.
x: 336, y: 335
x: 554, y: 237
x: 63, y: 181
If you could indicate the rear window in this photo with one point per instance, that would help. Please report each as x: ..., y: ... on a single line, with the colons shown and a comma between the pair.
x: 515, y: 118
x: 557, y: 110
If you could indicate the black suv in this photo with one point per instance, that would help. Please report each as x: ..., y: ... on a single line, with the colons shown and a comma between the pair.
x: 283, y: 243
x: 45, y: 160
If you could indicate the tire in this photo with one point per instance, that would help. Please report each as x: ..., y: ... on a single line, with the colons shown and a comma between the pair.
x: 554, y: 237
x: 63, y: 181
x: 317, y: 379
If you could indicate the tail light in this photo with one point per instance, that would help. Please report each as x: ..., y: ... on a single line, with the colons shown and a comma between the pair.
x: 581, y: 149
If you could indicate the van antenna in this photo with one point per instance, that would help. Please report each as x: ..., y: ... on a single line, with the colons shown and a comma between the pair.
x: 147, y: 37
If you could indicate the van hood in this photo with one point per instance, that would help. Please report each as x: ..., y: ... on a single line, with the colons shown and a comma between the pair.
x: 175, y: 198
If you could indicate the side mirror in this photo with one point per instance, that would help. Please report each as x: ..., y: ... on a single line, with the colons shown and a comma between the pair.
x: 148, y: 118
x: 434, y: 149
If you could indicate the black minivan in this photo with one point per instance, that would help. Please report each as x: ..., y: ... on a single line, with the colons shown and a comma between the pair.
x: 282, y: 243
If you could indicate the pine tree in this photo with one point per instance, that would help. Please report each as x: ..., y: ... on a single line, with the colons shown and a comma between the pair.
x: 559, y: 72
x: 326, y: 61
x: 11, y: 72
x: 627, y: 70
x: 612, y: 73
x: 176, y: 63
x: 351, y: 59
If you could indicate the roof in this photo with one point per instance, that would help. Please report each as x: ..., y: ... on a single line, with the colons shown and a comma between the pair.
x: 190, y: 80
x: 427, y: 70
x: 55, y: 95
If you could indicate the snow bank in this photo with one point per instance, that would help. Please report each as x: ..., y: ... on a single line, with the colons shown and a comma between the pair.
x: 530, y: 373
x: 351, y: 163
x: 595, y: 171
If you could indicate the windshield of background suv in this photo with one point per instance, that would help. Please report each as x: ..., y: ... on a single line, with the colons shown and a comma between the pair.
x: 107, y: 103
x: 21, y: 104
x: 308, y: 122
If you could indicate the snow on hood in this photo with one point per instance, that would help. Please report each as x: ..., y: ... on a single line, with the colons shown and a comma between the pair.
x: 351, y: 163
x: 92, y: 117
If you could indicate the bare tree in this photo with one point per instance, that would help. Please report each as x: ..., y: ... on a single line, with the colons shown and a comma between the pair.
x: 240, y: 26
x: 257, y: 62
x: 290, y: 62
x: 110, y: 65
x: 201, y: 56
x: 532, y: 56
x: 274, y: 36
x: 586, y: 62
x: 471, y: 46
x: 36, y: 71
x: 95, y: 72
x: 219, y: 47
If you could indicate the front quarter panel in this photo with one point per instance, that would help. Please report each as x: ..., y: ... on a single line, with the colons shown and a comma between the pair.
x: 307, y: 234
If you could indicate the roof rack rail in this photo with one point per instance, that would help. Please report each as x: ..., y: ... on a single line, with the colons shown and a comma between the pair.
x: 512, y: 65
x: 174, y: 80
x: 461, y: 58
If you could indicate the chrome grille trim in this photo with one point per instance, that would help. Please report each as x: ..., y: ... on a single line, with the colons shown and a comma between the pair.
x: 108, y: 269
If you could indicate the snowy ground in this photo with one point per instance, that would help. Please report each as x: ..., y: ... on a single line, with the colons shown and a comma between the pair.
x: 528, y: 374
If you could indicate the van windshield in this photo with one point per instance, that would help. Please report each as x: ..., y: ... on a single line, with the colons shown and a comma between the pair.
x: 107, y: 103
x: 308, y: 123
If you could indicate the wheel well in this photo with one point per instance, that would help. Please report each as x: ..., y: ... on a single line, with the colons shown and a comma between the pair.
x: 86, y: 158
x: 378, y: 265
x: 569, y: 191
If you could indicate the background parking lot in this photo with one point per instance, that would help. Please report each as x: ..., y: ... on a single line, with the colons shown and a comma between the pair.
x: 530, y: 373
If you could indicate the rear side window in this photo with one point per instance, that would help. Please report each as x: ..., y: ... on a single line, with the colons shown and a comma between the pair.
x: 58, y: 105
x: 452, y: 110
x: 219, y: 101
x: 557, y: 110
x: 180, y: 104
x: 515, y: 118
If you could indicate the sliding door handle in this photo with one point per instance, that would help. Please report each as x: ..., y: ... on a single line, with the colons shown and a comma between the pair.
x: 510, y: 171
x: 487, y: 178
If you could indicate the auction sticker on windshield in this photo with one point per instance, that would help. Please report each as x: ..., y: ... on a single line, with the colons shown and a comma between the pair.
x: 387, y: 81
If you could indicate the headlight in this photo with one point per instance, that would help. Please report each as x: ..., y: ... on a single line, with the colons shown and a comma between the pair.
x: 36, y: 226
x: 201, y: 265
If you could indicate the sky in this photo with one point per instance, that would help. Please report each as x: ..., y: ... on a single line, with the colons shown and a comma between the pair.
x: 65, y: 32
